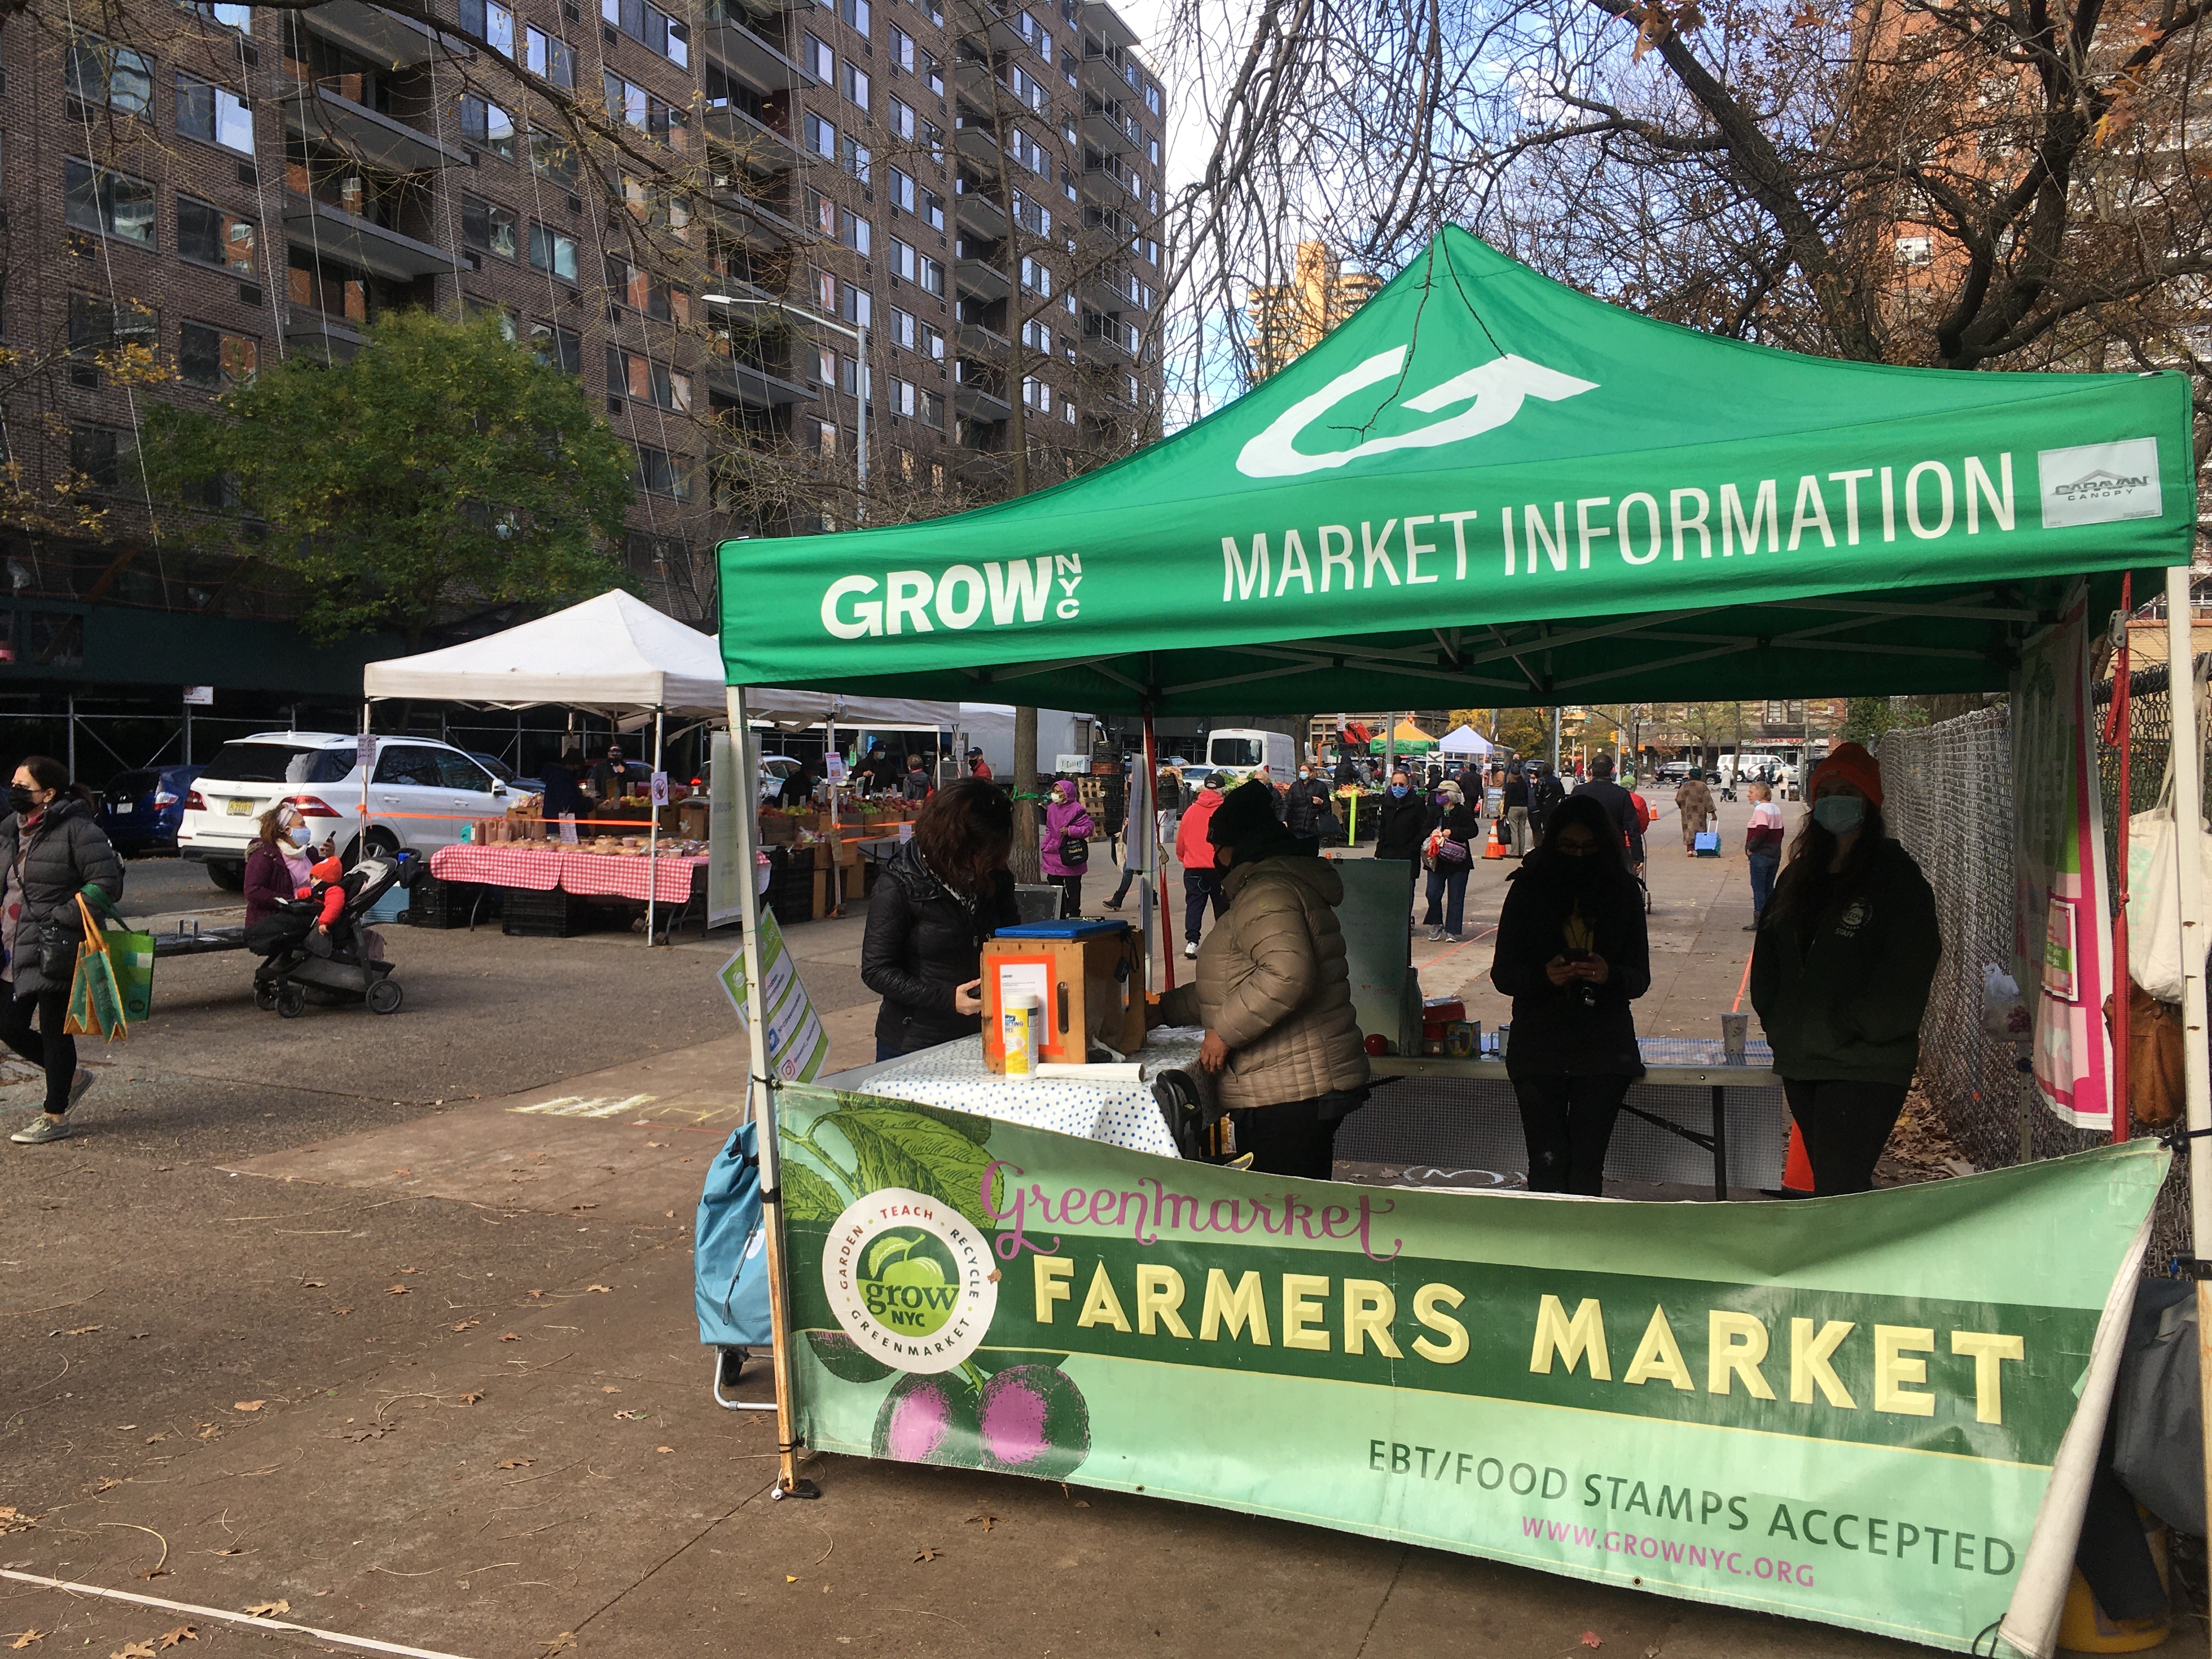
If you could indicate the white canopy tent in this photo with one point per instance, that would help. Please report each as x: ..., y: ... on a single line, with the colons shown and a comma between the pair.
x: 1465, y: 741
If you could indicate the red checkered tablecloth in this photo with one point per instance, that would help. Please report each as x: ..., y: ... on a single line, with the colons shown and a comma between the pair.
x: 669, y: 878
x: 537, y: 869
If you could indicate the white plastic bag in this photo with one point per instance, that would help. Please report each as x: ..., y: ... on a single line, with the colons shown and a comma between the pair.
x: 2154, y: 957
x: 2004, y: 1016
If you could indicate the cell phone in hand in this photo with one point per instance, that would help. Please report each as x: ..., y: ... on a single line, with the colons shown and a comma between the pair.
x: 1574, y: 956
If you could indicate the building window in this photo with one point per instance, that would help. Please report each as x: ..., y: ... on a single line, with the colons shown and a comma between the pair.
x: 933, y: 277
x: 932, y: 342
x: 212, y: 359
x: 820, y: 61
x: 488, y: 126
x: 649, y: 381
x: 1029, y: 153
x: 855, y: 158
x: 549, y: 59
x: 901, y: 118
x: 650, y: 27
x: 855, y: 233
x: 656, y: 299
x: 826, y: 438
x: 231, y: 17
x: 902, y: 189
x: 902, y: 45
x: 557, y: 348
x: 475, y: 310
x: 856, y: 84
x: 933, y: 209
x: 1067, y: 411
x: 99, y: 72
x: 552, y: 156
x: 1152, y: 98
x: 933, y: 77
x: 1037, y: 395
x: 550, y: 251
x: 95, y: 199
x: 902, y: 329
x: 825, y: 291
x: 490, y: 23
x: 902, y: 262
x: 902, y: 397
x: 859, y: 305
x: 214, y: 114
x: 660, y: 473
x: 487, y: 227
x: 820, y: 136
x: 102, y: 454
x: 1037, y: 337
x: 1036, y: 277
x: 635, y: 107
x: 214, y: 237
x: 855, y: 14
x: 100, y: 328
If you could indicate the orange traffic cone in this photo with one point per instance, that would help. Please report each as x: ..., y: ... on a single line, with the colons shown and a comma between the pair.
x: 1796, y: 1167
x: 1496, y: 848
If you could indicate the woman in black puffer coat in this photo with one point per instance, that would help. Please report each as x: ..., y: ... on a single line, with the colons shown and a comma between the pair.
x: 1572, y: 954
x: 939, y: 898
x: 51, y: 850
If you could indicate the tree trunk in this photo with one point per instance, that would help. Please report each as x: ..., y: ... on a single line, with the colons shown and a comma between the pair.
x: 1023, y: 860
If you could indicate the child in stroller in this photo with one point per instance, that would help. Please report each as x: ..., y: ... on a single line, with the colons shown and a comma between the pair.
x: 319, y: 941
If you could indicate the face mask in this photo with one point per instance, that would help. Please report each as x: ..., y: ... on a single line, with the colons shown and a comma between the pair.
x: 1839, y: 814
x: 300, y: 835
x: 19, y: 798
x: 1397, y: 791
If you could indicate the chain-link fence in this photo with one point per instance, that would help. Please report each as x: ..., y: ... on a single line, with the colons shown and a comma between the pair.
x: 1949, y: 798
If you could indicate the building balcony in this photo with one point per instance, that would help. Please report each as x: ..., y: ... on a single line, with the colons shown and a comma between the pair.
x: 352, y: 241
x: 376, y: 141
x: 1106, y: 131
x: 758, y: 227
x: 1105, y: 349
x: 980, y: 341
x: 331, y: 339
x: 373, y: 33
x: 977, y: 279
x: 758, y: 148
x: 751, y: 59
x: 1105, y: 188
x: 977, y: 142
x: 753, y: 387
x: 979, y: 215
x: 974, y: 404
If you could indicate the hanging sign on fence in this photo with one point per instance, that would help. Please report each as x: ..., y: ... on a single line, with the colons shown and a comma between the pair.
x: 796, y: 1043
x: 2061, y: 940
x: 1804, y: 1409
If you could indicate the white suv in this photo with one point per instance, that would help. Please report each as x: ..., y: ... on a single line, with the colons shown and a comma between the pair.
x: 421, y: 793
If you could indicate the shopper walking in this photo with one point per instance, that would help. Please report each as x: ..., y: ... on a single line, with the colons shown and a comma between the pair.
x: 1762, y: 850
x: 1546, y: 792
x: 1132, y: 839
x: 1619, y: 805
x: 1449, y: 854
x: 1401, y: 826
x: 917, y: 785
x: 1846, y: 951
x: 1065, y: 850
x: 941, y: 894
x: 1306, y: 804
x: 1516, y: 810
x: 1202, y: 880
x: 1694, y: 801
x: 1572, y: 954
x: 51, y: 850
x: 1274, y: 993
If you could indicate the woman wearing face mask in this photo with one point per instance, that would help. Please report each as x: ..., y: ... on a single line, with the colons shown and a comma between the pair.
x: 51, y: 850
x: 1846, y: 950
x: 276, y: 867
x: 1402, y: 827
x: 1306, y: 804
x: 1572, y: 955
x: 1064, y: 849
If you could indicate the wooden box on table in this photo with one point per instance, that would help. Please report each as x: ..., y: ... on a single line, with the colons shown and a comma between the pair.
x: 1090, y: 976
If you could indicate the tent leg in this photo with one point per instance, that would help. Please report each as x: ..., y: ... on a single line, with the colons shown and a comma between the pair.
x: 1146, y: 791
x: 2187, y: 761
x: 653, y: 840
x: 787, y: 1483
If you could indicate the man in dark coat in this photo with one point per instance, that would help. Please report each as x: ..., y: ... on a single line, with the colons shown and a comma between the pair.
x: 1619, y: 805
x: 1307, y: 803
x: 51, y: 850
x: 1402, y: 827
x: 1544, y: 793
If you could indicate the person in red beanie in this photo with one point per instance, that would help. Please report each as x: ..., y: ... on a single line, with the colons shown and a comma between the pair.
x: 1840, y: 972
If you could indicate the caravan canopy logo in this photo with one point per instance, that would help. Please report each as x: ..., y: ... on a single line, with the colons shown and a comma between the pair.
x: 1493, y: 393
x: 2099, y: 483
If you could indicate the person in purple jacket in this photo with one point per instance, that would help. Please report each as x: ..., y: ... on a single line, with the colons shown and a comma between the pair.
x: 1066, y: 851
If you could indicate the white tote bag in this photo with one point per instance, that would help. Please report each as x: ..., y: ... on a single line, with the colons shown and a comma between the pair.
x: 2154, y: 954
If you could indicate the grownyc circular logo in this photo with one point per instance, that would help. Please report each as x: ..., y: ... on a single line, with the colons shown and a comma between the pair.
x: 911, y: 1282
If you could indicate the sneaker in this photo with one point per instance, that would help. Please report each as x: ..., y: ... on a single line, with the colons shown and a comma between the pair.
x: 41, y: 1129
x: 79, y: 1083
x: 1112, y: 904
x: 1751, y: 927
x: 1454, y: 938
x: 1435, y: 934
x: 1190, y: 952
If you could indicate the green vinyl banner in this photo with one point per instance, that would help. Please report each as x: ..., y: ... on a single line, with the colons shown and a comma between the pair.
x: 1847, y: 1409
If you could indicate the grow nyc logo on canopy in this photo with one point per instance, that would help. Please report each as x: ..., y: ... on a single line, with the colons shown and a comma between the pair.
x: 1492, y: 391
x: 913, y: 1285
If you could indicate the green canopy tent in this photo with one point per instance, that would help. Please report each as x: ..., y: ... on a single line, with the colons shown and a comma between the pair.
x: 1488, y: 490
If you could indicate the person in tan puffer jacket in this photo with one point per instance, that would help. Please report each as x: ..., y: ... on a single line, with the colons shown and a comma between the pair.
x: 1274, y: 992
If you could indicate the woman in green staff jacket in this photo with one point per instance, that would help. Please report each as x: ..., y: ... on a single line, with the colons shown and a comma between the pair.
x: 1846, y: 950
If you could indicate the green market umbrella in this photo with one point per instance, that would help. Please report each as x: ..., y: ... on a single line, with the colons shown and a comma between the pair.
x: 1487, y: 488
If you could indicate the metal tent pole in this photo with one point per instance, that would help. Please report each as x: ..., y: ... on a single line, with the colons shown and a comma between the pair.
x: 1143, y: 792
x: 72, y: 737
x: 653, y: 839
x: 763, y: 1096
x: 2187, y: 761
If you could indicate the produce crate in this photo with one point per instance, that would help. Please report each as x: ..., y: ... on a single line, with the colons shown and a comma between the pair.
x: 790, y: 887
x: 556, y: 915
x: 434, y: 903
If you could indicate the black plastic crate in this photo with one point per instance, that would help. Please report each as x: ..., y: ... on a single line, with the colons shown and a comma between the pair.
x: 556, y: 915
x: 434, y: 903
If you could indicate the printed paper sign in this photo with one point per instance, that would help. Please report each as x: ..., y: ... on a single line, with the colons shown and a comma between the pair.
x: 797, y: 1045
x: 661, y: 788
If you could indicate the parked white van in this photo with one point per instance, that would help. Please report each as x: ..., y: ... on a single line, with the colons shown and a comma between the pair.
x: 1241, y: 752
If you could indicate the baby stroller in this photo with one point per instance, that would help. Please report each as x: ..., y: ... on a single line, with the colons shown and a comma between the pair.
x: 336, y: 966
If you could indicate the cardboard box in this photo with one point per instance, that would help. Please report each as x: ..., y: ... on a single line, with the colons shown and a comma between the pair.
x: 820, y: 894
x: 1092, y: 989
x: 691, y: 819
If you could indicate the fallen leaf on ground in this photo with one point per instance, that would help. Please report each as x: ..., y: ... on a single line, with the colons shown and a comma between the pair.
x: 410, y: 1270
x: 927, y: 1554
x: 510, y: 1336
x: 268, y: 1609
x: 518, y: 1462
x: 1592, y: 1639
x: 248, y: 1405
x: 989, y: 1521
x: 182, y: 1633
x: 231, y: 1552
x: 462, y: 1325
x: 583, y: 1206
x: 105, y: 1483
x: 470, y: 1398
x: 536, y: 1292
x: 604, y: 1289
x: 631, y: 1417
x: 341, y: 1312
x: 133, y: 1650
x: 402, y: 1172
x: 395, y: 1290
x: 664, y: 1449
x: 791, y: 1578
x: 609, y: 1390
x: 27, y: 1639
x: 314, y: 1284
x: 155, y: 1439
x: 372, y: 1431
x: 84, y: 1330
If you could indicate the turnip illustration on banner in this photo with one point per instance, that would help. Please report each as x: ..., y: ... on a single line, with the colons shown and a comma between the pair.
x: 1879, y: 1411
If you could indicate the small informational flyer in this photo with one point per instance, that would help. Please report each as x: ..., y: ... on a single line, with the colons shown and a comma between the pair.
x: 797, y: 1045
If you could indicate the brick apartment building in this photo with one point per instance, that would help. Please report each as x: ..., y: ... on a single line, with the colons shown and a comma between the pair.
x: 730, y: 223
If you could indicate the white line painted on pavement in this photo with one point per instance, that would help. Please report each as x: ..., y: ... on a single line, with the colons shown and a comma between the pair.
x: 369, y: 1643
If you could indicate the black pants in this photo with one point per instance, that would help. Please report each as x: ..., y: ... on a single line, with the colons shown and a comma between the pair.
x: 1200, y: 886
x: 1845, y: 1125
x: 1289, y: 1140
x: 48, y: 1046
x: 1568, y: 1124
x: 1071, y: 888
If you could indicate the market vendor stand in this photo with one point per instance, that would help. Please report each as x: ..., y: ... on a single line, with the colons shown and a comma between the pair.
x: 1485, y: 487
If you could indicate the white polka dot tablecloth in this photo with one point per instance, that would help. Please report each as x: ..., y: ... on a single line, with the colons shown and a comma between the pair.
x: 953, y: 1074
